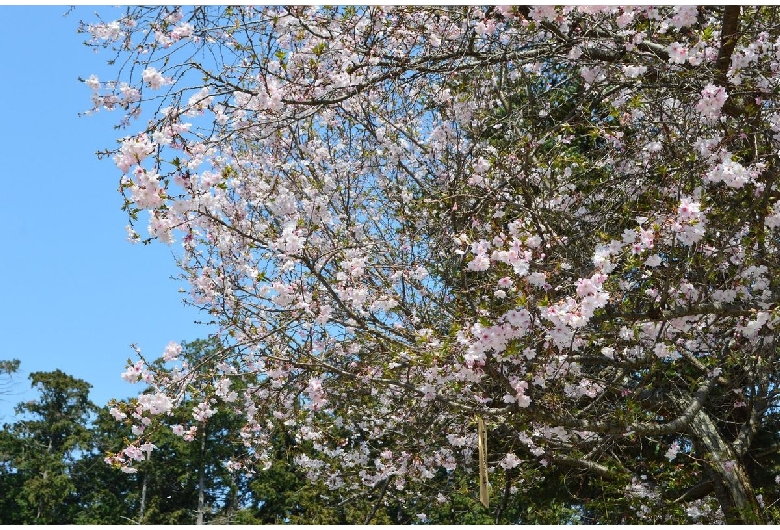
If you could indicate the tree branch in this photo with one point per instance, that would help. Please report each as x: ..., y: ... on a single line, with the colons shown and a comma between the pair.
x: 728, y: 41
x: 378, y: 501
x: 651, y: 428
x: 698, y: 491
x: 587, y: 465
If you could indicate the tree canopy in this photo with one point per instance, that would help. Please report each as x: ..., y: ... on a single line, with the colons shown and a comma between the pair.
x: 563, y: 221
x: 38, y: 452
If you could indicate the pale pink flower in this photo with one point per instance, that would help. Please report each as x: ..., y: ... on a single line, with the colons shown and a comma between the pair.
x: 505, y: 282
x: 712, y: 100
x: 678, y: 53
x: 510, y: 461
x: 172, y: 351
x: 671, y: 454
x: 153, y: 78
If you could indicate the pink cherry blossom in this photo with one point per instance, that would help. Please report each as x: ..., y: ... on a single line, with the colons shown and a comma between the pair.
x: 558, y: 219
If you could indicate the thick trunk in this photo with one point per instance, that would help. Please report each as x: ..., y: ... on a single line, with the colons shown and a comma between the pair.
x: 731, y: 483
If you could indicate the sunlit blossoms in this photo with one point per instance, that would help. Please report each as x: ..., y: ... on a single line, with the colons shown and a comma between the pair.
x: 172, y: 351
x: 712, y: 100
x: 153, y: 78
x: 560, y: 220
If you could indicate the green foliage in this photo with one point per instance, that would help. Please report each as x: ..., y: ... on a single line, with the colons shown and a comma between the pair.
x: 104, y: 494
x: 39, y: 452
x: 9, y: 367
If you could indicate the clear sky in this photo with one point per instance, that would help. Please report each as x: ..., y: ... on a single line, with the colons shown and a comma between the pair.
x: 74, y: 293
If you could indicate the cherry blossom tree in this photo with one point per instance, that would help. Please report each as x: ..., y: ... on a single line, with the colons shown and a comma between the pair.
x: 560, y: 220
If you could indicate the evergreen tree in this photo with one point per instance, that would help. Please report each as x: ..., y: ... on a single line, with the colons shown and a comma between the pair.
x: 40, y: 451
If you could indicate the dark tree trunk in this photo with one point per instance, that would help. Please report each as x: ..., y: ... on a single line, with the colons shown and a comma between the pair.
x: 731, y: 482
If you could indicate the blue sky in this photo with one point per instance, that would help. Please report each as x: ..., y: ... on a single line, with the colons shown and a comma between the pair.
x: 75, y: 293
